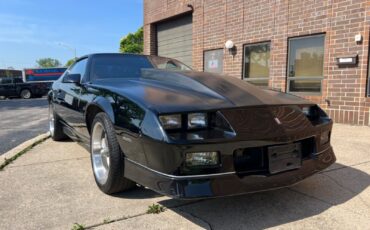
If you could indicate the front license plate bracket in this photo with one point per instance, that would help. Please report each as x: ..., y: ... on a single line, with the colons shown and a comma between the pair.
x: 284, y: 157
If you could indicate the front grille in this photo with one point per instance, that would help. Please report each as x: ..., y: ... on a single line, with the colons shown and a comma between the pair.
x: 254, y: 161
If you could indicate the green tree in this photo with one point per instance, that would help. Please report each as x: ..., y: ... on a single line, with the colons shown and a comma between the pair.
x: 48, y: 62
x: 132, y: 42
x: 70, y: 62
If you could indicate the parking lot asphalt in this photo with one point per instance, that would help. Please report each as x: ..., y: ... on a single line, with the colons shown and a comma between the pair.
x: 21, y: 120
x: 52, y: 187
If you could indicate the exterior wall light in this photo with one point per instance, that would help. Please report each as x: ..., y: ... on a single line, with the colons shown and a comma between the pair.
x: 358, y: 38
x: 347, y: 60
x: 231, y: 47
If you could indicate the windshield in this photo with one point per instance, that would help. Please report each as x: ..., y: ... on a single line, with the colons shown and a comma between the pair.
x: 168, y: 64
x: 118, y: 66
x: 130, y: 66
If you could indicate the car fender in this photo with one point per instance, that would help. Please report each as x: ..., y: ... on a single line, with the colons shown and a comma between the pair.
x: 104, y: 104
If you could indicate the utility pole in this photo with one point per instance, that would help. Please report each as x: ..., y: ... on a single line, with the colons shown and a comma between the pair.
x: 73, y: 49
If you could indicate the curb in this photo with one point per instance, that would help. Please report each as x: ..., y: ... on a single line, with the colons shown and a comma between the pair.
x: 12, y: 154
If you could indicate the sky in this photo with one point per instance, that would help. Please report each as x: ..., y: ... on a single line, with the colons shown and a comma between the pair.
x: 34, y: 29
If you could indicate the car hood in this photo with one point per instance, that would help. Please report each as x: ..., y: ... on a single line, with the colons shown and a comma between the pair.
x: 169, y: 91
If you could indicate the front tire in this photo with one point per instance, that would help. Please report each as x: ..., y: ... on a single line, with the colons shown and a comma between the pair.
x: 55, y: 127
x: 25, y: 94
x: 106, y: 157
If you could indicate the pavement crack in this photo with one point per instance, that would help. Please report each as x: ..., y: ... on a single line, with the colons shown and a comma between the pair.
x: 145, y: 213
x: 347, y: 189
x: 312, y: 197
x: 338, y: 184
x: 324, y: 201
x: 343, y: 167
x: 115, y: 220
x: 47, y: 162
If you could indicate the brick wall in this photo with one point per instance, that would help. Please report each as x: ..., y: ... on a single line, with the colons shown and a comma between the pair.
x: 245, y: 22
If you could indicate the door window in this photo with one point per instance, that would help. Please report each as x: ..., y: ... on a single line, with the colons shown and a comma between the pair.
x: 79, y: 67
x: 6, y: 81
x: 18, y: 80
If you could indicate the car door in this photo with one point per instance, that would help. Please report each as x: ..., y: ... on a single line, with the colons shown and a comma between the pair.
x: 16, y: 87
x: 7, y: 87
x: 2, y: 88
x: 68, y: 98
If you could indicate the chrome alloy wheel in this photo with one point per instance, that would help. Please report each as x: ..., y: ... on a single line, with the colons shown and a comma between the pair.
x: 100, y: 153
x: 51, y: 120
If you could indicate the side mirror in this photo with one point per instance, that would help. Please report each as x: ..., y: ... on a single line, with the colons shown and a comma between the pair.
x: 72, y: 78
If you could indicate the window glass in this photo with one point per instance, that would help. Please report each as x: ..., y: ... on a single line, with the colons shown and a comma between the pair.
x: 6, y: 81
x: 168, y: 64
x: 214, y: 61
x: 79, y: 67
x: 10, y: 73
x: 118, y: 66
x: 257, y: 63
x: 306, y: 64
x: 18, y: 80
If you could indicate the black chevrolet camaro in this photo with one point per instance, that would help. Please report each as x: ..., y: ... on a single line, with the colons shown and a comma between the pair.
x: 153, y: 121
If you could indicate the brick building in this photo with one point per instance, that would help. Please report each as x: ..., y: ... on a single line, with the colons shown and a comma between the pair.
x: 312, y: 48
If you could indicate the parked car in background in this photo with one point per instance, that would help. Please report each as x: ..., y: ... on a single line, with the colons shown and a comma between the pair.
x: 15, y: 87
x: 31, y: 82
x: 153, y: 121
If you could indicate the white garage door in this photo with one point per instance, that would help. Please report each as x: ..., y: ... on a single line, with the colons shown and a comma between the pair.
x: 174, y: 39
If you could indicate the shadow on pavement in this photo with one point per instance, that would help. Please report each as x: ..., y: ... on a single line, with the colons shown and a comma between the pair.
x: 138, y: 193
x: 268, y: 209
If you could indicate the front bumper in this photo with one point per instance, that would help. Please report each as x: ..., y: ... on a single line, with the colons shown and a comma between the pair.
x: 224, y: 184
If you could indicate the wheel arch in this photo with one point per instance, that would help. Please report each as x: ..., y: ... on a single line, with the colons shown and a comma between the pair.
x: 98, y: 105
x: 25, y: 88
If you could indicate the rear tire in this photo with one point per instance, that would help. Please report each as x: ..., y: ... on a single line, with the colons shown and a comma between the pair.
x: 106, y: 157
x: 25, y: 94
x: 55, y: 127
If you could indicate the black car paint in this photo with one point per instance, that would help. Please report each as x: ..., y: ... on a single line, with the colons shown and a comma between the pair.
x: 156, y: 161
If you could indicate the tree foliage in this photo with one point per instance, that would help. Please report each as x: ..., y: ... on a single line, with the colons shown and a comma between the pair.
x: 70, y: 62
x: 132, y: 42
x: 48, y: 62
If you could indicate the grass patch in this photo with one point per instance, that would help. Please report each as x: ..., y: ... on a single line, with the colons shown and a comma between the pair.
x: 107, y: 220
x: 77, y: 226
x: 13, y: 158
x: 155, y: 209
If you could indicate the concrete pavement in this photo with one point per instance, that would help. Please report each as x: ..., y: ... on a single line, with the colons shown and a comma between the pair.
x: 52, y: 187
x: 21, y: 120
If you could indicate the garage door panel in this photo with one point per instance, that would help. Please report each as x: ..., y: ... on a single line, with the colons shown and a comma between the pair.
x: 176, y: 53
x: 169, y: 35
x: 175, y: 39
x: 180, y: 46
x: 174, y: 31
